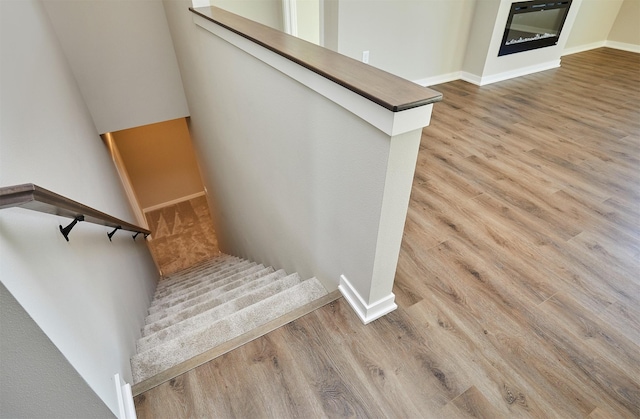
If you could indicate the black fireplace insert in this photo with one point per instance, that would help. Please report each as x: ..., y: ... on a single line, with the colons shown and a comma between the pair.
x: 533, y: 24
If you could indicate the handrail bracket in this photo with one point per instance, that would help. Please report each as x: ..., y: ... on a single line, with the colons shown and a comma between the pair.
x: 66, y: 230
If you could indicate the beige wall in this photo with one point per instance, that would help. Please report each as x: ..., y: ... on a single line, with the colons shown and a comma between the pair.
x: 267, y: 12
x: 410, y: 38
x: 160, y: 161
x: 593, y: 23
x: 626, y: 28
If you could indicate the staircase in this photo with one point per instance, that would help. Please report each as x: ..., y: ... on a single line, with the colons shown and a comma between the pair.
x: 199, y: 309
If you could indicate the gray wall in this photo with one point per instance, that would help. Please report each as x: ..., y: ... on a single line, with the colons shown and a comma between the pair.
x: 38, y: 381
x: 89, y: 296
x: 121, y: 55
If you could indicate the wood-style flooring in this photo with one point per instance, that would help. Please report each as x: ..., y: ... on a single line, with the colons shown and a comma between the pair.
x: 518, y: 282
x: 182, y: 235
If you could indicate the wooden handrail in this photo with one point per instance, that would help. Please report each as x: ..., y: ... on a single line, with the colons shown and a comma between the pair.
x: 35, y: 198
x: 387, y: 90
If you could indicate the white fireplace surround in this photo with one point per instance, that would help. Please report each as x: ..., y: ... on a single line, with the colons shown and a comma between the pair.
x: 483, y: 66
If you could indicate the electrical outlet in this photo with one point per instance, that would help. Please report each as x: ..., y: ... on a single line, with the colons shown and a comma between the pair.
x: 365, y: 57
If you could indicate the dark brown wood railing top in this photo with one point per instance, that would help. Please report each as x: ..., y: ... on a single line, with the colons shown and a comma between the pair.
x: 35, y: 198
x: 385, y: 89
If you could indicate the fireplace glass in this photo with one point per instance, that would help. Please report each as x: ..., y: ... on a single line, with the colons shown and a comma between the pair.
x: 532, y: 25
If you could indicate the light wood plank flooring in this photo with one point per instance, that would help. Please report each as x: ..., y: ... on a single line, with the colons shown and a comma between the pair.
x: 518, y: 280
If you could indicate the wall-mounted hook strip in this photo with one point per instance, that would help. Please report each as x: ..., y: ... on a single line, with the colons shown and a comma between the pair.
x: 113, y: 232
x: 66, y: 230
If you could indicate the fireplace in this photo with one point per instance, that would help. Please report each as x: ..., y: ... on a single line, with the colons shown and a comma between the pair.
x: 533, y: 24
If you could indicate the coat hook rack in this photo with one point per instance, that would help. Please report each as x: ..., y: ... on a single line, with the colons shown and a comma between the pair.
x: 113, y: 232
x: 66, y: 230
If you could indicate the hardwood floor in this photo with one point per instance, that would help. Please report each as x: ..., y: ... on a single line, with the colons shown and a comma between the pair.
x: 517, y: 284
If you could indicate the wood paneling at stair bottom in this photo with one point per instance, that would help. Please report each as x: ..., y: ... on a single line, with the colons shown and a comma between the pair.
x: 517, y: 284
x: 183, y: 235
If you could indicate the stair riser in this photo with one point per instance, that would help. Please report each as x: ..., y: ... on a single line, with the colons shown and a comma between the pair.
x: 175, y: 351
x: 211, y: 316
x: 178, y: 277
x: 206, y: 286
x: 195, y: 280
x: 226, y: 292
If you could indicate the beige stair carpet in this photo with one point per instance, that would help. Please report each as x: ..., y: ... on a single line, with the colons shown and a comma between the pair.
x: 212, y: 303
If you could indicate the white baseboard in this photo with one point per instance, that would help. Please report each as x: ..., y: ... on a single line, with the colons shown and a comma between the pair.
x: 609, y: 44
x: 172, y: 202
x: 444, y: 78
x: 126, y: 406
x: 471, y: 78
x: 623, y: 46
x: 519, y: 72
x: 583, y: 48
x: 366, y: 312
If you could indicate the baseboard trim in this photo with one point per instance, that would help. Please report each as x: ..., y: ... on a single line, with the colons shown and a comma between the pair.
x: 583, y: 48
x: 366, y: 312
x: 126, y: 406
x: 172, y: 202
x: 623, y: 46
x: 602, y: 44
x: 444, y: 78
x: 213, y: 353
x: 519, y: 72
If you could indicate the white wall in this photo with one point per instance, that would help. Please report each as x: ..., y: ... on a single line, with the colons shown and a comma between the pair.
x: 121, y: 54
x: 414, y: 39
x: 89, y: 296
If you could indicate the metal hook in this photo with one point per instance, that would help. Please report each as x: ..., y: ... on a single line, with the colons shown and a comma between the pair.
x: 113, y: 232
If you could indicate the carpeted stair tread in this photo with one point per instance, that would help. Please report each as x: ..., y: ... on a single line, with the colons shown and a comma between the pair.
x: 195, y: 280
x: 184, y: 325
x: 208, y: 285
x: 185, y: 277
x: 201, y: 280
x: 196, y: 341
x: 211, y: 264
x: 213, y: 301
x: 226, y: 292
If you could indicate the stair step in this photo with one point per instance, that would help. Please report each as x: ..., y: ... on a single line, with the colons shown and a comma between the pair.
x: 207, y: 285
x: 209, y: 301
x: 210, y: 316
x: 182, y: 277
x: 211, y: 264
x: 195, y: 280
x: 172, y: 352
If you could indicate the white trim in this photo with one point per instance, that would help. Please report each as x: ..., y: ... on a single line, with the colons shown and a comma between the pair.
x: 622, y: 46
x: 290, y: 18
x: 443, y: 78
x: 366, y: 312
x: 583, y: 48
x: 172, y: 202
x: 391, y: 123
x: 519, y: 72
x: 126, y: 405
x: 471, y: 78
